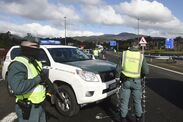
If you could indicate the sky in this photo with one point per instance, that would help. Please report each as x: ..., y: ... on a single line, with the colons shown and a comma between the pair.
x: 48, y: 18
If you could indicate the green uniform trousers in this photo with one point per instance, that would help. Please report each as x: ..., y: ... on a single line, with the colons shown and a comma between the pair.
x: 37, y: 114
x: 134, y: 87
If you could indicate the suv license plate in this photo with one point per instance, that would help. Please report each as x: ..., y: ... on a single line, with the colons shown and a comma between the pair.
x: 112, y: 86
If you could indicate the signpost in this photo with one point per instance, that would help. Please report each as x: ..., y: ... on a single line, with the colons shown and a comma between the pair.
x: 169, y: 43
x: 113, y: 43
x: 143, y: 43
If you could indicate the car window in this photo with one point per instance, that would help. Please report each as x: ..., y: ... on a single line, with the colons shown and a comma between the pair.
x: 44, y: 58
x: 67, y: 54
x: 15, y: 52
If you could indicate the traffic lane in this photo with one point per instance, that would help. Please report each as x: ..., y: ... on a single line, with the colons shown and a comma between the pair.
x: 164, y: 96
x: 7, y: 103
x: 111, y: 56
x: 86, y: 114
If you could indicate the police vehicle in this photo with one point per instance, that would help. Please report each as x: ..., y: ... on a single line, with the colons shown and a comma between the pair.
x: 79, y: 79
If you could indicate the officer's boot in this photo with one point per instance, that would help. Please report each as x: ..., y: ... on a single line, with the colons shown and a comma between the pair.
x: 138, y: 119
x: 123, y: 119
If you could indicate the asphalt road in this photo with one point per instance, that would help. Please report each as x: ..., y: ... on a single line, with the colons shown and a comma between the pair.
x: 164, y: 102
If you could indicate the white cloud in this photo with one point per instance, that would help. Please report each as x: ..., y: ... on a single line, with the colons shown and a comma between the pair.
x: 39, y: 10
x: 102, y: 15
x: 84, y: 33
x: 146, y: 10
x: 88, y: 2
x: 41, y: 30
x: 152, y: 16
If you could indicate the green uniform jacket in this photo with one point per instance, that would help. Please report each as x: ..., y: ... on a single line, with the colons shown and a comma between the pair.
x: 144, y: 70
x: 17, y: 79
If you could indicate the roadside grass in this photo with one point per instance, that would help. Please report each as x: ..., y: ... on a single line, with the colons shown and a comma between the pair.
x: 164, y: 52
x: 176, y: 65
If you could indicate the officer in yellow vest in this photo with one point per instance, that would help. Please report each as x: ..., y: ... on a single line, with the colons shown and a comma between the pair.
x: 25, y: 82
x: 131, y: 68
x: 96, y: 53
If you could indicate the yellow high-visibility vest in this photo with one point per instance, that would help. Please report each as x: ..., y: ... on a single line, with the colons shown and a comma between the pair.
x: 132, y: 63
x: 37, y: 94
x: 95, y: 52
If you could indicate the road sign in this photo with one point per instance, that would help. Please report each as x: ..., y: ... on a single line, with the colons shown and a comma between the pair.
x: 169, y: 43
x: 142, y: 45
x: 142, y: 42
x: 113, y: 43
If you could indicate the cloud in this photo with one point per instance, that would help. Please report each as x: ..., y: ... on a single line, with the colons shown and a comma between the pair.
x: 88, y: 2
x: 152, y: 16
x: 41, y: 30
x: 38, y: 10
x: 102, y: 15
x: 146, y: 10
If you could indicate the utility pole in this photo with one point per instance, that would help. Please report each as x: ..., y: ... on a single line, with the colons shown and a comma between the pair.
x: 65, y: 28
x: 138, y: 28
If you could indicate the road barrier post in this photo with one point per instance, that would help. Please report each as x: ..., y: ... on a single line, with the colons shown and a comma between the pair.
x: 143, y: 98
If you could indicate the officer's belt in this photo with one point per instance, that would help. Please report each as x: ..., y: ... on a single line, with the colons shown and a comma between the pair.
x: 36, y: 105
x: 128, y: 78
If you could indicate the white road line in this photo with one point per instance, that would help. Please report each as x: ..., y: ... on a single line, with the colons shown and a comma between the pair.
x: 9, y: 118
x: 180, y: 73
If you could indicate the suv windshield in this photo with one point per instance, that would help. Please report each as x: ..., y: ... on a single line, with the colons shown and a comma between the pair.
x: 67, y: 54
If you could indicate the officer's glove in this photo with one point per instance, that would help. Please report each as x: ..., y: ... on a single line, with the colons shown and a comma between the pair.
x: 43, y: 77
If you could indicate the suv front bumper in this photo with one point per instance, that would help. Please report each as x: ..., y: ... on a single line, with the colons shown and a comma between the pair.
x: 95, y: 91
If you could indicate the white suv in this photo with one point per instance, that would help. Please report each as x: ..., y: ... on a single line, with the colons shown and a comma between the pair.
x: 79, y: 79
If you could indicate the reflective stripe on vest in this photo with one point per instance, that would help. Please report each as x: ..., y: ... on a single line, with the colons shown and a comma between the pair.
x: 37, y: 94
x: 132, y: 63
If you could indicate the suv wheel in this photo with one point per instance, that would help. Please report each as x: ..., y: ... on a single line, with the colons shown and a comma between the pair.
x: 68, y: 106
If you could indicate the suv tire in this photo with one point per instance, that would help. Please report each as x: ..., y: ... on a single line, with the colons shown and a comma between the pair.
x: 69, y: 105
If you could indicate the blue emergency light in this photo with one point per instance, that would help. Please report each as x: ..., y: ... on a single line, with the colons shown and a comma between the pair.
x: 50, y: 42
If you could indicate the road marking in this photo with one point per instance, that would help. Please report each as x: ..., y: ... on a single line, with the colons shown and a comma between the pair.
x: 180, y: 73
x: 9, y: 118
x: 1, y: 79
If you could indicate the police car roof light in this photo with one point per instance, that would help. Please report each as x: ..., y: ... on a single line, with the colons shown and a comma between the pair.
x: 50, y: 42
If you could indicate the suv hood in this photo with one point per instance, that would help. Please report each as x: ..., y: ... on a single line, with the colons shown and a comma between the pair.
x: 95, y: 66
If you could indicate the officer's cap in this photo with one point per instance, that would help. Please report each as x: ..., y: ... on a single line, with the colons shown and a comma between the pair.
x: 30, y: 41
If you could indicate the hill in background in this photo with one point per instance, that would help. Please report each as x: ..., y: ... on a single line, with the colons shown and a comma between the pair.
x: 108, y: 37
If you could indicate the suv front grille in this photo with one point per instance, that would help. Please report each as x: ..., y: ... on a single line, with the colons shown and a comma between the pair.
x: 107, y: 76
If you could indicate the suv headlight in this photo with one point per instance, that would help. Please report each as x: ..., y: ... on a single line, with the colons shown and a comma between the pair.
x: 87, y: 76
